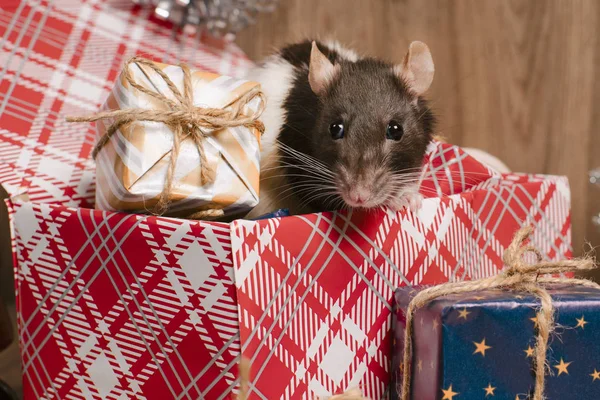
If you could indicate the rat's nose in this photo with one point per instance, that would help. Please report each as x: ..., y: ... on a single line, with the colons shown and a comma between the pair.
x: 358, y: 196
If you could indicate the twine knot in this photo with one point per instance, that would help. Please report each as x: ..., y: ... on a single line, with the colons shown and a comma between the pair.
x: 518, y: 275
x: 186, y: 121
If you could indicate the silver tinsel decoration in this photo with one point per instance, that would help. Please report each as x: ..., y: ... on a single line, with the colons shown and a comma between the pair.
x: 595, y: 179
x: 220, y: 18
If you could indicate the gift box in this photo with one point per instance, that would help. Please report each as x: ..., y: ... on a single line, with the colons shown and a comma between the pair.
x: 190, y: 141
x: 482, y: 344
x: 115, y: 304
x: 72, y: 62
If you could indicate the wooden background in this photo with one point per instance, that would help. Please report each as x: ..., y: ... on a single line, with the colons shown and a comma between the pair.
x: 514, y: 78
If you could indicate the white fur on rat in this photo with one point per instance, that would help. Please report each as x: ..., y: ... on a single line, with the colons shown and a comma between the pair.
x: 277, y: 76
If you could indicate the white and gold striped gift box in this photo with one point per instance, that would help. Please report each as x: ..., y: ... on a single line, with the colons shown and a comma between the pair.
x: 132, y: 166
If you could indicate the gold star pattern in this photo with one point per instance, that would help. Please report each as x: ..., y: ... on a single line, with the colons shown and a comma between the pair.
x: 562, y: 367
x: 489, y: 390
x: 464, y: 313
x: 435, y: 325
x: 581, y: 322
x: 529, y: 351
x: 420, y: 365
x: 535, y: 321
x: 595, y: 375
x: 481, y: 347
x: 449, y: 393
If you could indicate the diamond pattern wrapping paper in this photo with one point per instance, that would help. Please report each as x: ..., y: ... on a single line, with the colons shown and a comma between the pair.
x: 148, y: 307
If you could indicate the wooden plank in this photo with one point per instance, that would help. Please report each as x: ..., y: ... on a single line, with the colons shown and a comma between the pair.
x: 592, y: 232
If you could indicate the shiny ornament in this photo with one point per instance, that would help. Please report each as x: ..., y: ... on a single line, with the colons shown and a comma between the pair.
x: 220, y: 18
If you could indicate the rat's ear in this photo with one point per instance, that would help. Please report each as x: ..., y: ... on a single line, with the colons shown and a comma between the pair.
x: 417, y: 68
x: 320, y: 71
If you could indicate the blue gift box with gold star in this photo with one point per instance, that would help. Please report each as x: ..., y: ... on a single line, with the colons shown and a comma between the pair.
x: 481, y: 345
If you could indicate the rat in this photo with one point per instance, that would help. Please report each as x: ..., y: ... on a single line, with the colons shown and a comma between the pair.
x: 342, y: 131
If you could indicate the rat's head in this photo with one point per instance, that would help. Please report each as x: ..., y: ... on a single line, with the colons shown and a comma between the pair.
x: 372, y: 126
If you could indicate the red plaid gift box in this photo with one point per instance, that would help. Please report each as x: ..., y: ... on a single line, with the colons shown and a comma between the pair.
x: 122, y: 306
x: 129, y: 306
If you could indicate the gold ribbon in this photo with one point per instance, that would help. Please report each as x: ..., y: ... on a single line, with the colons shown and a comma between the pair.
x: 519, y: 276
x: 183, y: 118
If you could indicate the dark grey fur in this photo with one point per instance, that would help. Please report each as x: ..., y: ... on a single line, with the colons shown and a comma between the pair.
x: 365, y: 95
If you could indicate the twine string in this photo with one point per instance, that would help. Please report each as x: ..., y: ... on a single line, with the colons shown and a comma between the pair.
x: 518, y: 275
x: 185, y: 120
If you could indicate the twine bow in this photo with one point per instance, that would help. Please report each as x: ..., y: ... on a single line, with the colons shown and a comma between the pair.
x: 520, y: 276
x: 187, y: 121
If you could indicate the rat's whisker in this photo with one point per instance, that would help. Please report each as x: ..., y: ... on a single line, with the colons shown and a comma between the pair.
x: 301, y: 155
x: 311, y: 171
x: 285, y: 164
x: 306, y: 187
x: 318, y: 195
x: 402, y: 181
x: 318, y: 178
x: 305, y: 201
x: 296, y: 130
x: 407, y: 176
x: 295, y: 191
x: 289, y: 149
x: 331, y: 202
x: 306, y: 163
x: 298, y: 158
x: 314, y: 168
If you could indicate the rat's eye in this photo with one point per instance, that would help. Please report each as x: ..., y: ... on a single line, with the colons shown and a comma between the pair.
x: 394, y: 131
x: 337, y: 130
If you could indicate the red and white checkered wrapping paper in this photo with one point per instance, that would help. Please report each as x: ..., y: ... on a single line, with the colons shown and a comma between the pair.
x: 123, y: 306
x: 118, y: 306
x: 128, y: 306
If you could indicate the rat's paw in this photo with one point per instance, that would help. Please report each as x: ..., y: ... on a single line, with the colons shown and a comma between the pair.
x: 414, y: 201
x: 411, y: 200
x: 397, y: 203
